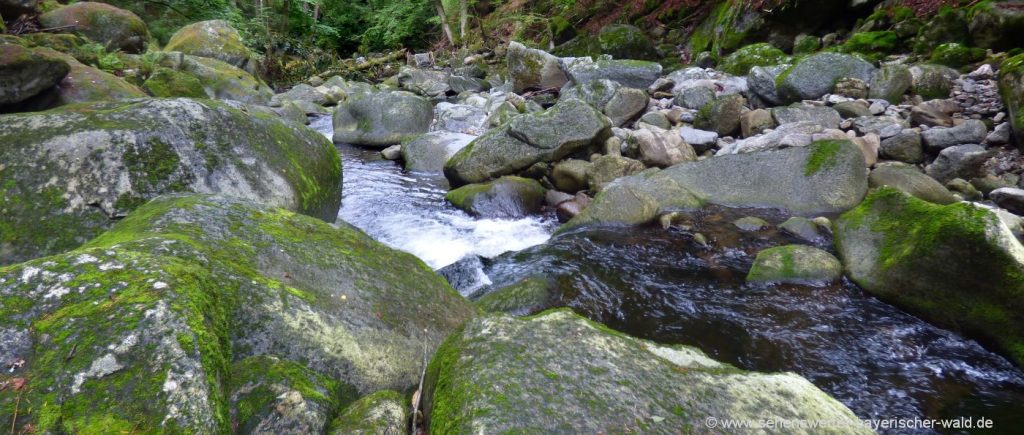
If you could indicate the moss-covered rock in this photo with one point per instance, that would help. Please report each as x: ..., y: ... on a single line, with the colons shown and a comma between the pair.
x: 1011, y: 88
x: 795, y: 264
x: 997, y: 25
x: 816, y: 75
x: 631, y: 73
x: 381, y: 119
x: 384, y: 412
x: 932, y: 81
x: 224, y: 81
x: 721, y: 115
x: 565, y: 128
x: 824, y: 177
x: 168, y: 83
x: 82, y: 83
x: 506, y: 197
x: 529, y: 68
x: 25, y: 72
x: 506, y: 375
x: 956, y: 55
x: 955, y: 265
x: 168, y: 322
x: 890, y: 83
x: 69, y: 172
x: 947, y: 25
x: 911, y: 180
x: 117, y: 28
x: 760, y: 54
x: 624, y: 41
x: 214, y: 39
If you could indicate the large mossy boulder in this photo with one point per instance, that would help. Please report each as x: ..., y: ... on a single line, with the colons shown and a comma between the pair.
x: 1011, y: 88
x: 68, y: 173
x: 214, y: 39
x: 565, y: 128
x: 529, y: 68
x: 816, y: 75
x: 955, y: 265
x: 116, y: 28
x: 623, y: 41
x: 761, y: 54
x: 824, y: 177
x: 199, y: 313
x: 501, y: 374
x: 25, y: 72
x: 82, y: 83
x: 381, y: 119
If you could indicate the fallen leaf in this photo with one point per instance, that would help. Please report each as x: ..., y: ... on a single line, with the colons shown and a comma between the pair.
x: 18, y: 383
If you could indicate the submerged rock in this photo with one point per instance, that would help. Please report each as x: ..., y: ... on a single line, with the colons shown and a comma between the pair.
x: 825, y: 177
x: 955, y: 265
x: 381, y: 119
x: 506, y: 197
x: 567, y: 127
x: 195, y: 309
x: 795, y: 264
x: 502, y: 374
x: 69, y: 172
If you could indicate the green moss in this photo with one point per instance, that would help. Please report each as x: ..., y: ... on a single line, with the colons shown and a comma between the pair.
x: 524, y: 297
x: 872, y: 45
x: 761, y: 54
x: 367, y: 415
x: 823, y: 156
x: 918, y: 268
x: 256, y: 382
x: 168, y: 83
x: 956, y: 55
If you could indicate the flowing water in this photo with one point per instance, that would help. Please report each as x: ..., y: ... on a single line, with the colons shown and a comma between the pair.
x: 664, y: 286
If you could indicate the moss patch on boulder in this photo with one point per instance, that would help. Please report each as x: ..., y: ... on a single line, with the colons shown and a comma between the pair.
x: 955, y: 265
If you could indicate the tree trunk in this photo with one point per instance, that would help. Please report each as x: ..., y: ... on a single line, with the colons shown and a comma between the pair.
x: 444, y: 21
x: 463, y: 21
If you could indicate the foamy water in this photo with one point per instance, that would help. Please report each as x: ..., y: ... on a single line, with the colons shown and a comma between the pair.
x: 407, y: 211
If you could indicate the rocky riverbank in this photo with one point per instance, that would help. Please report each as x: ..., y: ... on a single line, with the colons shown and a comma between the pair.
x: 173, y: 262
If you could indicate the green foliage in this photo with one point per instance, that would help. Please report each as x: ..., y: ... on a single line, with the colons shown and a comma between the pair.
x: 96, y: 54
x: 393, y: 24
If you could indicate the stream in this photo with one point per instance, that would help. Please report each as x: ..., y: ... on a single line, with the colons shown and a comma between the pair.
x: 664, y: 286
